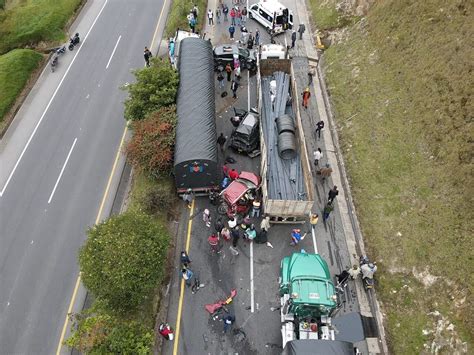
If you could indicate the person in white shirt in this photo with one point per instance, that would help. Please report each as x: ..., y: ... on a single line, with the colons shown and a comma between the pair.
x: 318, y: 154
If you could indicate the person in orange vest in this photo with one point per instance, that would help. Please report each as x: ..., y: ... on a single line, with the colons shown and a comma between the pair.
x: 306, y: 96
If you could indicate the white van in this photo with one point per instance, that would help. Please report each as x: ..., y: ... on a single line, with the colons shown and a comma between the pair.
x: 272, y: 51
x: 270, y: 14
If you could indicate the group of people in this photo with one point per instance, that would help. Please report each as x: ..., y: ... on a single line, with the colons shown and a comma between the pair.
x: 193, y: 18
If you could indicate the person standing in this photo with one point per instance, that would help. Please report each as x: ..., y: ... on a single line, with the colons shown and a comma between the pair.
x: 228, y: 321
x: 231, y: 31
x: 192, y: 24
x: 301, y: 30
x: 225, y: 233
x: 221, y: 140
x: 218, y: 226
x: 257, y: 37
x: 188, y: 197
x: 147, y: 55
x: 244, y: 15
x: 238, y: 17
x: 225, y: 11
x: 228, y: 70
x: 265, y: 224
x: 218, y: 15
x: 250, y: 41
x: 232, y: 16
x: 354, y: 272
x: 327, y: 211
x: 210, y: 17
x: 187, y: 275
x: 213, y: 241
x: 232, y: 223
x: 319, y: 127
x: 293, y: 39
x: 256, y: 205
x: 306, y: 95
x: 235, y: 234
x: 313, y: 220
x: 220, y: 80
x: 234, y: 86
x: 206, y: 217
x: 318, y: 154
x: 195, y: 12
x: 332, y: 194
x: 185, y: 260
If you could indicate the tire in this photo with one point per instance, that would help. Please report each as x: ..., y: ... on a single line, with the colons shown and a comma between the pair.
x: 222, y: 209
x: 71, y: 47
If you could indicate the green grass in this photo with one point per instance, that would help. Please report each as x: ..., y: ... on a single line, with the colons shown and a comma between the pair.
x: 15, y: 69
x: 326, y: 17
x: 177, y: 16
x: 406, y: 76
x: 27, y: 23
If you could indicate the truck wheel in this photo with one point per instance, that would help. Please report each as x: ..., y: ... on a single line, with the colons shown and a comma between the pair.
x: 250, y: 15
x: 222, y: 209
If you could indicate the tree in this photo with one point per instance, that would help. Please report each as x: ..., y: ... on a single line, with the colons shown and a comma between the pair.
x: 122, y: 260
x: 155, y: 87
x: 96, y: 332
x: 152, y: 146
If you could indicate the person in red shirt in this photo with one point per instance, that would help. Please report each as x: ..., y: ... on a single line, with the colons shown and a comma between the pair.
x: 233, y: 174
x: 166, y: 331
x: 213, y: 241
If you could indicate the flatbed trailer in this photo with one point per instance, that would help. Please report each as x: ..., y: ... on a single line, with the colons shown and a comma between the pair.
x: 285, y: 210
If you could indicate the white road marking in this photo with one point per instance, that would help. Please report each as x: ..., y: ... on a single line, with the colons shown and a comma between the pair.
x: 252, y: 293
x: 62, y: 170
x: 116, y: 44
x: 313, y: 234
x: 49, y: 103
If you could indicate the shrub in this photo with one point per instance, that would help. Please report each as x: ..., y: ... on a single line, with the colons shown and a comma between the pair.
x: 156, y: 87
x: 151, y: 148
x: 122, y: 260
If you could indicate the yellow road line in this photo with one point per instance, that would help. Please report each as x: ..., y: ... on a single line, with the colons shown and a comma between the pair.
x: 181, y: 293
x: 78, y: 281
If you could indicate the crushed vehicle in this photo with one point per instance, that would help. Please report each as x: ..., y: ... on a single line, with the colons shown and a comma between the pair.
x: 236, y: 199
x: 245, y: 138
x: 224, y: 54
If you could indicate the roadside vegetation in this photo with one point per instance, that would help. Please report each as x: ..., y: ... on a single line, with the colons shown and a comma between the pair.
x: 124, y: 260
x: 177, y: 16
x: 27, y: 28
x: 400, y: 79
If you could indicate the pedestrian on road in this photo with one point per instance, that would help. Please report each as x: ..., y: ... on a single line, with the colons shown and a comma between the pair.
x: 234, y: 86
x: 187, y: 275
x: 232, y: 16
x: 327, y: 210
x: 301, y: 30
x: 147, y: 55
x: 213, y: 241
x: 228, y: 70
x: 225, y: 11
x: 256, y: 204
x: 166, y: 331
x: 225, y: 233
x: 250, y: 41
x: 354, y: 272
x: 306, y: 95
x: 319, y: 127
x: 318, y: 154
x: 218, y: 226
x: 325, y: 172
x: 218, y: 15
x: 333, y: 193
x: 221, y: 140
x: 296, y: 236
x: 220, y: 80
x: 257, y: 37
x: 250, y: 233
x: 210, y: 17
x: 231, y: 31
x: 188, y: 197
x: 238, y: 17
x: 232, y: 223
x: 293, y: 39
x: 228, y: 321
x: 235, y: 234
x: 265, y: 224
x: 311, y: 73
x: 206, y: 217
x: 313, y: 220
x: 244, y: 15
x: 185, y: 260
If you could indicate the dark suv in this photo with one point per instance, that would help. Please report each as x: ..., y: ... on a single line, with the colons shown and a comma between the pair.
x: 246, y: 137
x: 225, y: 54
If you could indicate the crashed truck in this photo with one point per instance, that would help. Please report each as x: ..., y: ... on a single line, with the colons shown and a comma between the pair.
x: 195, y: 158
x: 287, y: 183
x: 309, y: 300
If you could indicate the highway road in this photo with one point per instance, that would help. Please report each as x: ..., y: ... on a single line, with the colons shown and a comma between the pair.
x: 55, y: 163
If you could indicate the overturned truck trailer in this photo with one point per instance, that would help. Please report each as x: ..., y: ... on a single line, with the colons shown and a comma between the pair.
x: 195, y: 158
x: 287, y: 183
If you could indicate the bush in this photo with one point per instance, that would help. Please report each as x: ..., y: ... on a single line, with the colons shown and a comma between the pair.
x: 156, y: 87
x: 151, y: 148
x: 96, y: 332
x: 159, y: 198
x: 179, y: 11
x: 122, y: 260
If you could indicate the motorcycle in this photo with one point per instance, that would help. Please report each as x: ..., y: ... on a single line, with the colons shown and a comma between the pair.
x: 61, y: 50
x: 74, y: 41
x: 368, y: 269
x: 215, y: 308
x: 166, y: 331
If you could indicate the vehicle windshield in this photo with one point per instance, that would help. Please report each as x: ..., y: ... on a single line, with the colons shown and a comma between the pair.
x: 244, y: 52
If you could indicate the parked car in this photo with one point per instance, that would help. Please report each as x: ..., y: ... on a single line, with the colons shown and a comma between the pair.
x: 224, y: 54
x: 246, y: 137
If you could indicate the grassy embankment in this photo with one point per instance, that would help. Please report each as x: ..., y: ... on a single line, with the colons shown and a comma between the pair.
x: 27, y: 25
x: 179, y: 11
x: 401, y: 84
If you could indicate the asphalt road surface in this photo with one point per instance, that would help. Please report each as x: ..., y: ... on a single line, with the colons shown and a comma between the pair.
x: 71, y: 125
